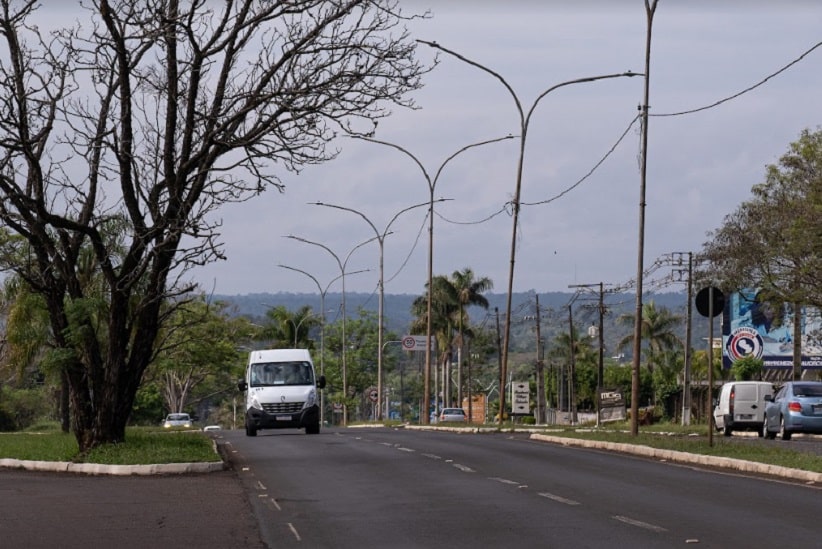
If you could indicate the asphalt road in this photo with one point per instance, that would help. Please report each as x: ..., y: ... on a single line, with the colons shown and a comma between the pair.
x: 351, y: 488
x: 399, y: 488
x: 72, y: 511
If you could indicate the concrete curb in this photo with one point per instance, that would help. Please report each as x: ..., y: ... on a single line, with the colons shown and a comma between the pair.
x: 101, y: 469
x: 684, y: 457
x: 121, y: 470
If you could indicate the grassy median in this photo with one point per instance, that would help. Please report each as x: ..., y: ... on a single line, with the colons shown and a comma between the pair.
x: 694, y: 440
x: 142, y: 446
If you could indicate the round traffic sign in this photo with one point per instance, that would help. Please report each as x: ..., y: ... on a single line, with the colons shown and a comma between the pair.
x: 710, y: 300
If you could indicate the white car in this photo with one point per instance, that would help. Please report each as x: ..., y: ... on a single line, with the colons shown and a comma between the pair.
x: 450, y: 415
x: 177, y: 420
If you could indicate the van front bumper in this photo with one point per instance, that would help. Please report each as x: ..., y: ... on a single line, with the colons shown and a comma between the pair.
x: 261, y: 419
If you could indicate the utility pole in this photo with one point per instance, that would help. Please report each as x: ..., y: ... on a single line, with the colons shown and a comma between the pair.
x: 686, y: 375
x: 540, y: 373
x: 501, y: 372
x: 601, y: 365
x: 601, y: 341
x: 571, y: 365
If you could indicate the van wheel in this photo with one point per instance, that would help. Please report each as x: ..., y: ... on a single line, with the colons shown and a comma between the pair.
x: 727, y: 430
x: 313, y: 429
x: 250, y: 430
x: 784, y: 434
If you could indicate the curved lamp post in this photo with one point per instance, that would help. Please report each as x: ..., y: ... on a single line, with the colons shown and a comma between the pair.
x: 524, y: 121
x: 381, y: 239
x: 323, y: 293
x: 432, y: 183
x: 342, y: 265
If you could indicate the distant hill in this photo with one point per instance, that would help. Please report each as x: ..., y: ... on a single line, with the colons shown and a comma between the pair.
x: 553, y: 311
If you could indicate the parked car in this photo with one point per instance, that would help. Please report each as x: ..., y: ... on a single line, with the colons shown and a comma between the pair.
x: 795, y: 408
x: 177, y: 420
x: 452, y: 415
x: 741, y: 406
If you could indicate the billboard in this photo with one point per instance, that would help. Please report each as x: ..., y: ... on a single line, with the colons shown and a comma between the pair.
x: 753, y: 326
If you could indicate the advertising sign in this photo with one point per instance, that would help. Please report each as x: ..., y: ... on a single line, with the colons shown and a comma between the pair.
x: 752, y: 325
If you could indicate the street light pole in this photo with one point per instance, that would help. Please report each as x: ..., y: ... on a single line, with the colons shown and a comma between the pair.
x: 650, y: 8
x: 381, y: 298
x: 524, y: 120
x: 342, y: 265
x: 432, y: 183
x: 298, y: 324
x: 323, y: 293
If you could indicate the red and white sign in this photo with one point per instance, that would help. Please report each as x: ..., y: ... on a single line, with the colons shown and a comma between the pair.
x: 413, y: 343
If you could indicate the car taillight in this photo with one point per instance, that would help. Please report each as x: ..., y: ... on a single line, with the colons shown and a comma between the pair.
x: 794, y: 406
x: 731, y: 402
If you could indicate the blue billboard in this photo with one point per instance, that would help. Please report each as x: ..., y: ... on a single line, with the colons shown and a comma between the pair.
x: 752, y: 325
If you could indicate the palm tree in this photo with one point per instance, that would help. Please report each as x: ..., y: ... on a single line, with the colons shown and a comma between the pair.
x: 469, y: 292
x: 289, y: 329
x: 657, y: 331
x: 443, y: 311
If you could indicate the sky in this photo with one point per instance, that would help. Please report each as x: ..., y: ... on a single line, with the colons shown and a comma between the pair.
x: 572, y: 229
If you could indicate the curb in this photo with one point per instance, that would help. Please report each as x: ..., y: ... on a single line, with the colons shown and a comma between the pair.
x: 121, y: 470
x: 684, y: 457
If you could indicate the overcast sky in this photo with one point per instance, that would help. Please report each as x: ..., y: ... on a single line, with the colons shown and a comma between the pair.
x: 700, y: 166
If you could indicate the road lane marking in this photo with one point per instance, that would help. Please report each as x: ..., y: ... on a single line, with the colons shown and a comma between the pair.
x: 503, y: 480
x: 558, y: 499
x: 294, y: 531
x: 432, y: 456
x: 639, y: 523
x: 260, y: 485
x: 463, y: 468
x: 403, y: 449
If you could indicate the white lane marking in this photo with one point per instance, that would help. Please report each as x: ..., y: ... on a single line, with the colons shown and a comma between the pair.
x: 260, y: 485
x: 432, y: 456
x: 403, y: 449
x: 463, y: 468
x: 558, y: 499
x: 503, y: 480
x: 639, y: 523
x: 294, y: 531
x: 276, y: 505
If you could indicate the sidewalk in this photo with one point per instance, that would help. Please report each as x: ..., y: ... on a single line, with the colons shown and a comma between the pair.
x: 108, y: 508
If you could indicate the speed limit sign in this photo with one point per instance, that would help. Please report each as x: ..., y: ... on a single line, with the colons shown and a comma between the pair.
x: 373, y: 395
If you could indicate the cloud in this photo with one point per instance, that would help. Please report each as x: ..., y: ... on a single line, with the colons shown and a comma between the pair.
x: 700, y: 166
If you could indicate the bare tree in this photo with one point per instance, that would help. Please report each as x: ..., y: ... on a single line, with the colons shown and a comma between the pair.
x: 121, y: 137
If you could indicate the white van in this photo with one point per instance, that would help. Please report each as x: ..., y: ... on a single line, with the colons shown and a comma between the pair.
x: 741, y: 406
x: 281, y: 391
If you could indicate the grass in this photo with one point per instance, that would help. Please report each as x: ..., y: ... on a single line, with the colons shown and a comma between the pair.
x: 148, y: 445
x: 694, y: 440
x: 142, y: 446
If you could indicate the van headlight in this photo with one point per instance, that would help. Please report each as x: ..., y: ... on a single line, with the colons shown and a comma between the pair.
x: 256, y: 403
x: 311, y: 398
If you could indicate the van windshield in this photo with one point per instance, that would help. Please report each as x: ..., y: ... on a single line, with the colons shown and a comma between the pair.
x: 267, y: 374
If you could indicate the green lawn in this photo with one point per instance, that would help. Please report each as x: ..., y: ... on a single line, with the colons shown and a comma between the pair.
x: 148, y: 445
x: 142, y: 446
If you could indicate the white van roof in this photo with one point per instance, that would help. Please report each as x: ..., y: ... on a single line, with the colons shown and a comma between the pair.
x: 279, y: 355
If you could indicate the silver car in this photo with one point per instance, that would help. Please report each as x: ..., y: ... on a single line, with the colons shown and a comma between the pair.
x: 795, y: 408
x: 449, y: 415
